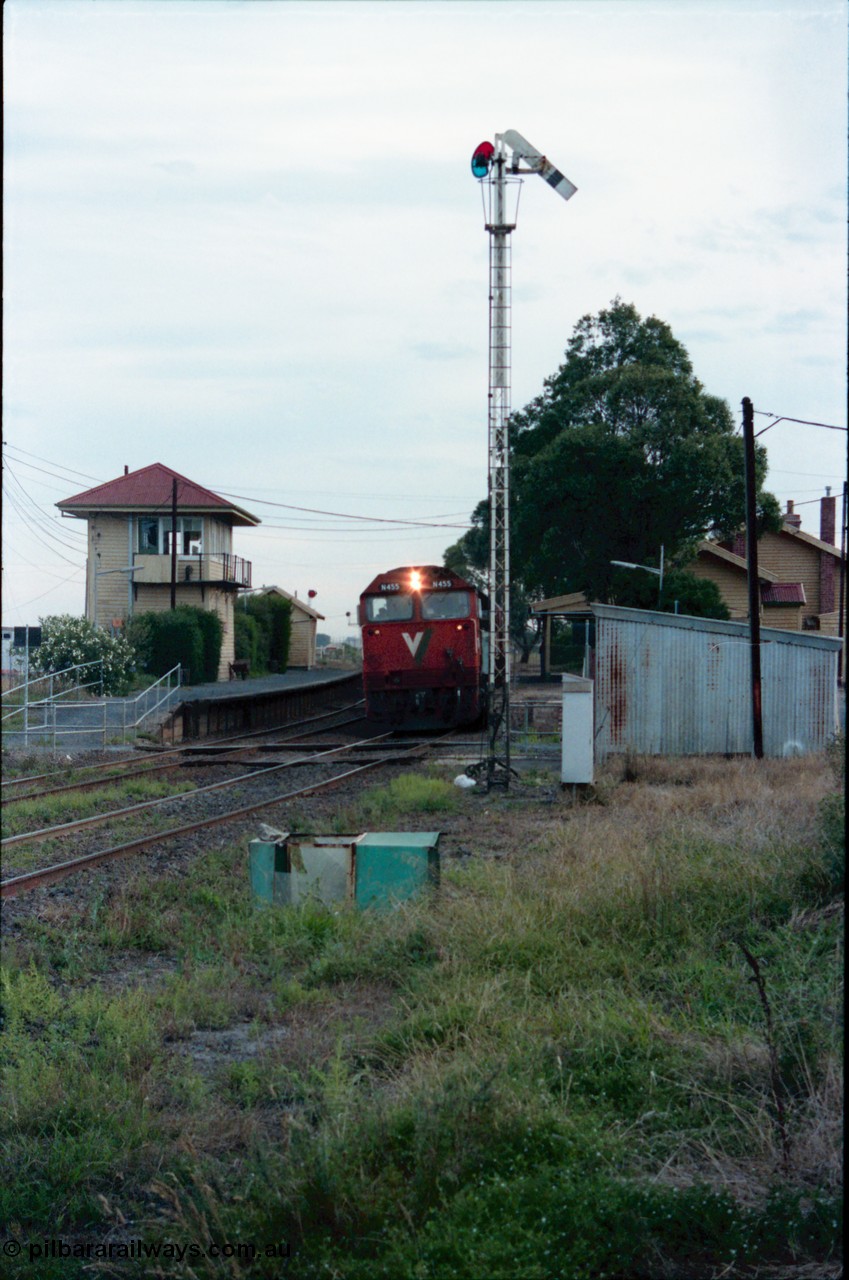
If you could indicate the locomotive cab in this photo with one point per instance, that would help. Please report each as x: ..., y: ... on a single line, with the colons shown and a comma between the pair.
x: 421, y: 630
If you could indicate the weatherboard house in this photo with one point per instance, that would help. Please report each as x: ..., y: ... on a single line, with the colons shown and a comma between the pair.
x: 799, y: 574
x: 130, y: 567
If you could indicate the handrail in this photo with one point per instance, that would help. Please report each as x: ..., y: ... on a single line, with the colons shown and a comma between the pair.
x: 160, y: 692
x: 54, y: 675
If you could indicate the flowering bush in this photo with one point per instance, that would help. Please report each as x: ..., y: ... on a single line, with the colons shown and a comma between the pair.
x: 67, y: 642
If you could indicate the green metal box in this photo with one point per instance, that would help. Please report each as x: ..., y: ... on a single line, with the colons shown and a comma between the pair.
x: 393, y: 865
x: 376, y: 868
x: 268, y: 863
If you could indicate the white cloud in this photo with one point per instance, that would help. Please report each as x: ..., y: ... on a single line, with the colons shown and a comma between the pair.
x: 256, y: 222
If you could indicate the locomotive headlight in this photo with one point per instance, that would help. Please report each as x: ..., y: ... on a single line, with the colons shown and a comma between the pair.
x: 416, y: 580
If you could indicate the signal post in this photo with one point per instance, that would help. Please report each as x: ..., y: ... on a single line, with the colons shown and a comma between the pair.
x: 497, y: 167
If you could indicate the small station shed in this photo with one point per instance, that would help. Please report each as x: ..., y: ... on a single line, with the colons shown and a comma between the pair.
x: 668, y: 684
x: 304, y: 626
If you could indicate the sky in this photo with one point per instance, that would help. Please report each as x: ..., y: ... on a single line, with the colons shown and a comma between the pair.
x: 242, y: 239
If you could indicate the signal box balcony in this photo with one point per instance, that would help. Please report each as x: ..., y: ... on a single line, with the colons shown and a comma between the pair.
x: 209, y: 569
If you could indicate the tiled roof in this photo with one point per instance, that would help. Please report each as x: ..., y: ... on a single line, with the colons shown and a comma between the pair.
x: 784, y: 593
x: 151, y: 489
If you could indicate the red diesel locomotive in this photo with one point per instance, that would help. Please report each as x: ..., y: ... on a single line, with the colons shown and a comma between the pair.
x: 422, y: 648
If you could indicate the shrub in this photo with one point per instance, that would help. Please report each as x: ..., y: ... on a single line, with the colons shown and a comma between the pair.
x: 174, y: 637
x: 273, y: 617
x: 186, y: 635
x: 68, y: 641
x: 247, y: 639
x: 212, y: 633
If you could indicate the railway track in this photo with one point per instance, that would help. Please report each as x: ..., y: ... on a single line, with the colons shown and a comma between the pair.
x: 165, y: 761
x: 27, y: 880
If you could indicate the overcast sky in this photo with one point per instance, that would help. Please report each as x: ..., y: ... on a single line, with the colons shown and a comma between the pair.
x: 242, y: 239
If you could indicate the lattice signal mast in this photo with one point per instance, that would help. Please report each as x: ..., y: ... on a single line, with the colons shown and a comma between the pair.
x: 498, y: 166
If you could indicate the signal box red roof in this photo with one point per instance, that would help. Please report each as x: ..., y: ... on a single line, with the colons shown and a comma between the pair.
x: 150, y: 489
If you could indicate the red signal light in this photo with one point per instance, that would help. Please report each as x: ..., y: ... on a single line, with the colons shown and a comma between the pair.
x: 482, y: 159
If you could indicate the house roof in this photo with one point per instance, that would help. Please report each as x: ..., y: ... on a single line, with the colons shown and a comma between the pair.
x: 792, y: 532
x: 736, y: 562
x: 287, y: 595
x: 150, y: 489
x: 784, y: 593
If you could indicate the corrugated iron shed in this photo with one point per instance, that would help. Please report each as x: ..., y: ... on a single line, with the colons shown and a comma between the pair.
x: 672, y: 685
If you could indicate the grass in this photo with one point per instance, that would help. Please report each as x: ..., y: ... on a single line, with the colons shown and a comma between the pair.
x: 405, y: 795
x: 33, y: 815
x: 559, y: 1067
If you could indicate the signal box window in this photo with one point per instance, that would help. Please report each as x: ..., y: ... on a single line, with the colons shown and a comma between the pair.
x: 445, y: 605
x: 155, y: 535
x: 389, y: 608
x: 149, y: 535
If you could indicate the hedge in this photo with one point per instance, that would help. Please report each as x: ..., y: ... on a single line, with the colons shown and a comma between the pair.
x: 186, y: 635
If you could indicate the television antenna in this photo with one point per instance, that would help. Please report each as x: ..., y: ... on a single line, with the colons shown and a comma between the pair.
x: 499, y: 166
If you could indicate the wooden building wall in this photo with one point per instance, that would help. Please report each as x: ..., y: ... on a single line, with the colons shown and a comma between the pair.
x: 731, y: 582
x: 111, y: 537
x: 794, y: 561
x: 107, y: 550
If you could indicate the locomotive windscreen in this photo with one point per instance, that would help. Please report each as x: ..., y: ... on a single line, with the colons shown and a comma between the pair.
x: 445, y: 604
x: 395, y: 608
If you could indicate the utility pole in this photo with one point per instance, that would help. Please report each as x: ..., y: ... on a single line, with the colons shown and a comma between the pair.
x: 174, y: 543
x: 752, y: 573
x: 496, y: 165
x: 842, y: 593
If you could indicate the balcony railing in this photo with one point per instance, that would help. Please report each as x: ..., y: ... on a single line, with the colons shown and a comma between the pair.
x: 216, y: 568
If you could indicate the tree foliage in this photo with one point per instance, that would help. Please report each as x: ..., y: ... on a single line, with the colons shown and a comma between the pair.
x: 622, y: 453
x: 265, y: 640
x: 470, y: 557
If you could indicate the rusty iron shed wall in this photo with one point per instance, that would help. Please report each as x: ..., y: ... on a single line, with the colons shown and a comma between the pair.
x: 673, y: 685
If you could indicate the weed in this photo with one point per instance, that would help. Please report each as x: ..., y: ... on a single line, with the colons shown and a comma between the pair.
x: 569, y: 1077
x: 410, y: 793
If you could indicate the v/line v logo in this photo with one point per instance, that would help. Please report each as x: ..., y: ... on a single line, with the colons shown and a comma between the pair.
x: 417, y: 644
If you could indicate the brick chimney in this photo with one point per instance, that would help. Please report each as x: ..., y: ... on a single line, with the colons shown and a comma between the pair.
x: 738, y: 545
x: 827, y: 528
x: 790, y: 516
x: 828, y: 518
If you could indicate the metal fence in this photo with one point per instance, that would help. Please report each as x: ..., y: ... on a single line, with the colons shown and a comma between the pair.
x: 671, y: 685
x: 60, y: 717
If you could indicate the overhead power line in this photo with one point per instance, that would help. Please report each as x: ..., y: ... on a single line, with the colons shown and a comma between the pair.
x: 7, y: 444
x: 804, y: 422
x: 345, y: 515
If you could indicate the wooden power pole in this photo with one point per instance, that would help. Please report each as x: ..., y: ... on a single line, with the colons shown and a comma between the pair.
x: 752, y: 573
x: 174, y: 543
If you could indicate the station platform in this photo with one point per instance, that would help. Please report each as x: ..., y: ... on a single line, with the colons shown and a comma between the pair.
x: 246, y: 706
x: 298, y: 679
